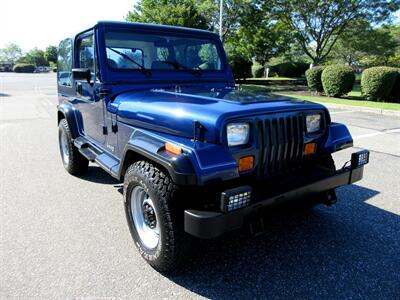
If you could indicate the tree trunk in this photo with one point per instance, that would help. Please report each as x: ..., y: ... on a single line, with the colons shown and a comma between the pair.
x: 316, y: 61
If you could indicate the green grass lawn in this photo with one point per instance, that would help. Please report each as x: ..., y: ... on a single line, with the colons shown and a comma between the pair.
x: 354, y: 99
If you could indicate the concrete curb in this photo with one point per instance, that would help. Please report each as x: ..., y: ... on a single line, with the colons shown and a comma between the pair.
x: 386, y: 112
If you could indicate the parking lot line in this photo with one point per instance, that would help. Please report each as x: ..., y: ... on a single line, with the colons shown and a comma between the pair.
x: 362, y: 136
x: 341, y: 112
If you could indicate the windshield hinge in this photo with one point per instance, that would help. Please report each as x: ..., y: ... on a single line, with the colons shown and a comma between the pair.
x: 198, y: 132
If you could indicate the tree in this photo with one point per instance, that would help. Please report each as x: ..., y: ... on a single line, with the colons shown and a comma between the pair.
x: 362, y: 44
x: 10, y: 53
x: 317, y: 24
x: 50, y: 54
x: 35, y: 57
x: 173, y: 12
x: 234, y: 12
x: 262, y: 35
x: 352, y: 44
x: 394, y: 30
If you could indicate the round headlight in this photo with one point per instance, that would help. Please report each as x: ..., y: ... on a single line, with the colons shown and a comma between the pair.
x: 313, y: 123
x: 237, y: 133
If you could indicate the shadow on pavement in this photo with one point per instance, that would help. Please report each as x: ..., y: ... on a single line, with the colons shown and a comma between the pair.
x: 98, y: 175
x: 349, y: 250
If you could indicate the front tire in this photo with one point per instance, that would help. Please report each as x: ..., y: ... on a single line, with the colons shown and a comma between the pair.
x: 74, y: 162
x: 153, y: 215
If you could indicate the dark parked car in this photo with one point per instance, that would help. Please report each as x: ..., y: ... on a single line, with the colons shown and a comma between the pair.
x: 157, y: 108
x: 6, y: 67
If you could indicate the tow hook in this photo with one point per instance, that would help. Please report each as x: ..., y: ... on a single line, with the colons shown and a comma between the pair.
x: 329, y: 198
x: 256, y: 224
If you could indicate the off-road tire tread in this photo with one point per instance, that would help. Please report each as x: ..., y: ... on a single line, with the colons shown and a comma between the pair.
x: 78, y: 164
x: 166, y: 192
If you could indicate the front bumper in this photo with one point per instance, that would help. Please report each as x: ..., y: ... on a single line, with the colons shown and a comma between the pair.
x: 210, y: 224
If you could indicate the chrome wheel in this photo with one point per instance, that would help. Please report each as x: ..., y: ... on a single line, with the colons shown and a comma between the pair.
x: 145, y: 217
x: 64, y: 147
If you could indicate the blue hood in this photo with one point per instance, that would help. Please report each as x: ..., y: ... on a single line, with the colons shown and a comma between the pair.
x: 173, y: 111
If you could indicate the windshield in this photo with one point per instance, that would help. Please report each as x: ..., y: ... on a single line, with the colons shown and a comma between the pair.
x: 136, y: 51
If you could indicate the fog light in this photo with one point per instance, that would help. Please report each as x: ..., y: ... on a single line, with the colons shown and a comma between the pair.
x: 246, y: 163
x: 359, y: 158
x: 235, y: 198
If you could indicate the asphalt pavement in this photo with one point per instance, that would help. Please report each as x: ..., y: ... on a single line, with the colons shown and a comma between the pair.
x: 66, y: 237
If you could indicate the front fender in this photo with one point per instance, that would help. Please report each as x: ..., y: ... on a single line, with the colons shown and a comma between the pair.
x: 179, y: 167
x: 338, y: 138
x: 199, y: 164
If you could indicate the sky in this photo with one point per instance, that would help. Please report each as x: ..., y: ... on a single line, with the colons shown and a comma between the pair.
x: 39, y: 23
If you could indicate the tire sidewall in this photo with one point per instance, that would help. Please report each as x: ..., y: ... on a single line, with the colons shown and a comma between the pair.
x: 62, y: 128
x: 134, y: 179
x: 77, y: 163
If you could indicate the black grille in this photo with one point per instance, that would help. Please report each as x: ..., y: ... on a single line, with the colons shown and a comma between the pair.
x: 283, y: 140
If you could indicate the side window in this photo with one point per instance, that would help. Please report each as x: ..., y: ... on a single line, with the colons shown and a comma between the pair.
x: 86, y: 53
x: 64, y: 63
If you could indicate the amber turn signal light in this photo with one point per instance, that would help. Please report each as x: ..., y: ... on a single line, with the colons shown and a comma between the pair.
x: 173, y: 148
x: 246, y: 163
x: 310, y: 148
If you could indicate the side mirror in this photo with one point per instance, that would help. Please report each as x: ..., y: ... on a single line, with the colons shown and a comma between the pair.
x: 82, y: 74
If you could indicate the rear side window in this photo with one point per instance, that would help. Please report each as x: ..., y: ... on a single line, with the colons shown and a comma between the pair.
x: 64, y: 63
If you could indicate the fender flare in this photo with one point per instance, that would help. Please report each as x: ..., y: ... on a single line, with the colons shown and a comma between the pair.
x: 142, y: 145
x: 338, y: 138
x: 68, y: 112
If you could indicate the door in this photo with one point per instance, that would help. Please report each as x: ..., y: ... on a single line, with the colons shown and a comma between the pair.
x: 89, y: 103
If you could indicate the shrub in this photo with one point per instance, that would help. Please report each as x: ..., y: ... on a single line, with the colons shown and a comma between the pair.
x: 313, y: 77
x: 241, y: 67
x: 289, y: 69
x: 24, y: 68
x: 377, y: 83
x: 337, y: 80
x: 258, y: 72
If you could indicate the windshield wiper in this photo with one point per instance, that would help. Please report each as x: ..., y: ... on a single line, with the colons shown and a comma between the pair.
x: 178, y: 66
x: 142, y: 68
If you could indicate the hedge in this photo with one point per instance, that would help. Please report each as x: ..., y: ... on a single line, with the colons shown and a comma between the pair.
x: 241, y: 67
x: 24, y: 68
x: 313, y: 77
x: 378, y: 83
x: 337, y: 80
x: 289, y: 69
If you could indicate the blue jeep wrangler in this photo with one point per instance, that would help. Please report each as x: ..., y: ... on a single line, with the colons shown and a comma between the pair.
x: 157, y: 108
